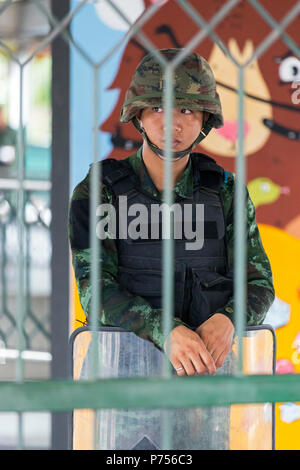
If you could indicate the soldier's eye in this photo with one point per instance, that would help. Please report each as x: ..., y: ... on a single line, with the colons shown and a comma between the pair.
x: 186, y: 111
x: 157, y: 109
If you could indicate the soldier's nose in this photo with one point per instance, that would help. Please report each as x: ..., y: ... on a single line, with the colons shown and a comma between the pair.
x: 176, y: 125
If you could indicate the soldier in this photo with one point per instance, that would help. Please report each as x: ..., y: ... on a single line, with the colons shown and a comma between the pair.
x: 202, y: 327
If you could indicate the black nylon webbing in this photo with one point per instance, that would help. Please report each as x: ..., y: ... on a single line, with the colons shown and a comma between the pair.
x: 121, y: 178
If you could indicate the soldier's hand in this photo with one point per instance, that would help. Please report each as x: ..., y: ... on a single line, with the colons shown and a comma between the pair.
x: 217, y: 335
x: 187, y: 350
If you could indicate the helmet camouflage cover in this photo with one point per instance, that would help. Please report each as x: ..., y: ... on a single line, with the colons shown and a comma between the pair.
x: 194, y: 87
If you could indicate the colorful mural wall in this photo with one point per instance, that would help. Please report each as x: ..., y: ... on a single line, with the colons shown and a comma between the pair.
x: 272, y: 133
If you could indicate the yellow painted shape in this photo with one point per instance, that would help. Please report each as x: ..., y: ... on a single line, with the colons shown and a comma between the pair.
x: 249, y: 430
x: 263, y: 190
x: 79, y: 315
x: 83, y: 420
x: 283, y: 250
x: 251, y: 425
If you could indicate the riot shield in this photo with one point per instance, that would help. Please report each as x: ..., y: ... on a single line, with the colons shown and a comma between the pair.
x: 123, y: 354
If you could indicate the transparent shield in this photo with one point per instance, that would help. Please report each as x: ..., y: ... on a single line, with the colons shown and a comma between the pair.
x: 123, y: 354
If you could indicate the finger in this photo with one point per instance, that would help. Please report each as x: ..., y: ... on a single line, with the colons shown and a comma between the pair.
x: 217, y: 349
x: 199, y: 365
x: 207, y: 360
x: 179, y: 368
x: 214, y: 351
x: 215, y: 354
x: 188, y: 366
x: 220, y: 360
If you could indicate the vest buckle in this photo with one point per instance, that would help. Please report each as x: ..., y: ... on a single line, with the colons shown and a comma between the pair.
x: 116, y: 175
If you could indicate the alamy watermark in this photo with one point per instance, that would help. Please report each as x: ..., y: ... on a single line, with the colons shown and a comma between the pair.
x: 154, y: 221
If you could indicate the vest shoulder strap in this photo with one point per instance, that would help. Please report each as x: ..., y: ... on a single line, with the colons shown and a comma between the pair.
x: 206, y: 171
x: 118, y: 175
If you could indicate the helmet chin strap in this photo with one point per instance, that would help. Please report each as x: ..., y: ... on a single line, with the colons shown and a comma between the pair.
x: 206, y: 128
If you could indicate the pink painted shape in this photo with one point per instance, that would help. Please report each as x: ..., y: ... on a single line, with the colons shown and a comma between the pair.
x: 230, y: 130
x: 285, y: 190
x: 155, y: 1
x: 284, y: 366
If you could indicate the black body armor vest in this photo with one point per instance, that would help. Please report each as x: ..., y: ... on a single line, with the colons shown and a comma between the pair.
x: 201, y: 280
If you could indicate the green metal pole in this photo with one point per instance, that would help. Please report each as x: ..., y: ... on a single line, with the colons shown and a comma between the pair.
x: 168, y: 243
x: 240, y: 229
x: 21, y: 302
x: 133, y: 393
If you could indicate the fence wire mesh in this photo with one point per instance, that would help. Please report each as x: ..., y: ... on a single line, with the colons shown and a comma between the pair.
x: 25, y: 214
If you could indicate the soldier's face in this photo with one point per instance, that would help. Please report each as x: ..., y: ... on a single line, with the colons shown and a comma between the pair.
x: 186, y: 126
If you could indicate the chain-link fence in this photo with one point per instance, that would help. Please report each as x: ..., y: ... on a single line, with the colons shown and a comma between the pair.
x: 28, y: 29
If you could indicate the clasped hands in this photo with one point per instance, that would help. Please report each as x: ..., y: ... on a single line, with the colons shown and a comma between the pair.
x: 203, y: 350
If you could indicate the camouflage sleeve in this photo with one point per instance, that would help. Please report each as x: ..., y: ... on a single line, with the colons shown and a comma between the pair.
x: 120, y: 308
x: 260, y: 289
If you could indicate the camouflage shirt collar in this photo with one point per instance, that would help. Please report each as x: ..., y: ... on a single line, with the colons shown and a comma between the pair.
x: 183, y: 187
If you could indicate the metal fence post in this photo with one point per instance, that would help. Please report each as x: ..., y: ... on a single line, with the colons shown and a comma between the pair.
x: 59, y: 207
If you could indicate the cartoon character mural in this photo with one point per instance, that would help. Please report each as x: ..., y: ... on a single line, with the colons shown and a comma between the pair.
x: 271, y: 138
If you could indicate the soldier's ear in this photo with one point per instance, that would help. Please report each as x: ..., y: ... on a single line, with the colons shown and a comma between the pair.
x: 139, y: 118
x: 205, y: 116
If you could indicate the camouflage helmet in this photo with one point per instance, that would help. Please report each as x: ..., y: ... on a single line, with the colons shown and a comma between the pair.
x: 194, y: 87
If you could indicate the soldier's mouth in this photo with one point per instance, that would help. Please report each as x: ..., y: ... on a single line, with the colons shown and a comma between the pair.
x: 119, y: 141
x: 174, y: 143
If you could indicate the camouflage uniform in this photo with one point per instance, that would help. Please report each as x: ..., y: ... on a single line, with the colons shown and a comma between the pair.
x: 122, y: 309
